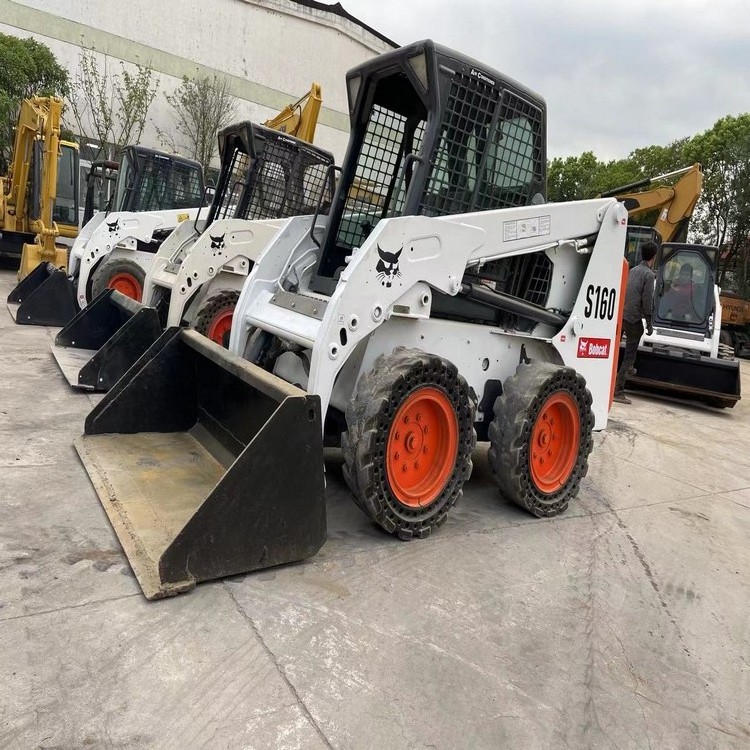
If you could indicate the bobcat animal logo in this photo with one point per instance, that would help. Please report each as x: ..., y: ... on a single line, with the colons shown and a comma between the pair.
x: 217, y: 243
x: 113, y: 226
x: 387, y: 267
x: 582, y: 344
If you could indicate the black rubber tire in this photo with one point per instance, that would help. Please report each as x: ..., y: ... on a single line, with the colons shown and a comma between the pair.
x: 515, y: 413
x: 726, y: 351
x: 108, y: 269
x: 215, y: 305
x: 369, y: 416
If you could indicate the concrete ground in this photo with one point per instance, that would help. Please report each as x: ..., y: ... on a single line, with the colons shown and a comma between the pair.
x: 622, y: 624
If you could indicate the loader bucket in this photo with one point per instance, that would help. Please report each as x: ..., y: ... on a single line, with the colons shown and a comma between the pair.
x: 46, y: 297
x: 715, y: 382
x: 104, y: 340
x: 206, y: 465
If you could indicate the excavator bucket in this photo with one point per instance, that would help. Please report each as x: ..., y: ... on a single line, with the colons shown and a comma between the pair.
x: 46, y: 297
x: 104, y: 340
x: 206, y: 465
x: 715, y: 382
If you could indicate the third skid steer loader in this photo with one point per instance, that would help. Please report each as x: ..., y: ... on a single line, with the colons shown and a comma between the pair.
x: 453, y: 306
x: 684, y: 356
x: 197, y: 274
x: 154, y: 192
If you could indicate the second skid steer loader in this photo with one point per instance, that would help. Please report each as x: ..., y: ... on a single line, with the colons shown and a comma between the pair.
x: 456, y: 306
x: 154, y: 192
x: 197, y: 274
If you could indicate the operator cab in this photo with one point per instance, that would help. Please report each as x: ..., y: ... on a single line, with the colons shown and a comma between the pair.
x: 150, y: 180
x: 266, y: 174
x: 432, y: 133
x: 684, y: 291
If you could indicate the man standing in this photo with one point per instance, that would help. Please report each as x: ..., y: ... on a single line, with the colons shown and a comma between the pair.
x: 638, y: 303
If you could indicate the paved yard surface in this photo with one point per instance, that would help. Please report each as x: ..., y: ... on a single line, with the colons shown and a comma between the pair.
x: 624, y: 623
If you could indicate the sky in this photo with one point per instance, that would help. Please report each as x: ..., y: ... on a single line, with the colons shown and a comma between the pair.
x: 615, y: 76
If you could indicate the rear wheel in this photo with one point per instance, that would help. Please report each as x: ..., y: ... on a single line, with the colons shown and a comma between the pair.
x: 214, y: 318
x: 541, y: 437
x: 123, y: 275
x: 409, y: 439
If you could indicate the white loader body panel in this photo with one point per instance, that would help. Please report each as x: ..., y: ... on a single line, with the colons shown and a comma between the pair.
x: 122, y: 230
x: 372, y: 312
x: 193, y: 266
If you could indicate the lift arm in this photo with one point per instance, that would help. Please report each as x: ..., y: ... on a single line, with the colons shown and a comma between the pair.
x: 38, y: 120
x: 675, y: 203
x: 300, y: 119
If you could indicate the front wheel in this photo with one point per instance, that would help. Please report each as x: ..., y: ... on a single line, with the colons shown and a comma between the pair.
x: 121, y: 274
x: 541, y: 437
x: 409, y: 439
x: 214, y: 318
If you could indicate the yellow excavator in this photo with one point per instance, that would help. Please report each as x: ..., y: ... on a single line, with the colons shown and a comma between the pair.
x: 300, y: 118
x: 39, y: 196
x: 675, y: 204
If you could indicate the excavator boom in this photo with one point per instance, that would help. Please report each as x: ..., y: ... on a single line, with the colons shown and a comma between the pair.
x: 675, y: 203
x: 300, y: 118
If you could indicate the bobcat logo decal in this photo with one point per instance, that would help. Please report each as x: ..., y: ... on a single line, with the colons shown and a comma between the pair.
x: 217, y: 243
x: 114, y: 226
x: 387, y: 267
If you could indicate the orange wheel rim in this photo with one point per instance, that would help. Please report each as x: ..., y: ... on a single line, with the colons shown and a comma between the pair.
x: 126, y: 284
x: 220, y: 327
x: 555, y: 442
x: 422, y: 447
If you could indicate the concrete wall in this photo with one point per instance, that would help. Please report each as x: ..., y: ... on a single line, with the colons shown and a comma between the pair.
x: 269, y: 50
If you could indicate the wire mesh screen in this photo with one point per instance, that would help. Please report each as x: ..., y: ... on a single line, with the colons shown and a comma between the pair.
x: 484, y: 159
x: 164, y: 184
x: 388, y: 137
x: 232, y: 185
x: 527, y: 277
x: 287, y: 179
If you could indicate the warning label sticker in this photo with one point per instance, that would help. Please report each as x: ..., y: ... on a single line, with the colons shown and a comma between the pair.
x: 534, y: 226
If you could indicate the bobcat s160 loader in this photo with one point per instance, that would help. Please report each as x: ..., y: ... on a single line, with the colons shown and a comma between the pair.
x: 197, y: 274
x: 444, y: 304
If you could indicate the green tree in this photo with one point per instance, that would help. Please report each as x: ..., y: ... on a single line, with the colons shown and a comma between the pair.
x: 573, y: 178
x: 201, y: 106
x: 723, y: 214
x: 27, y: 68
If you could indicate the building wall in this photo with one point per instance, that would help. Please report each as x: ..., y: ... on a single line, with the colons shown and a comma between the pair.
x: 269, y: 50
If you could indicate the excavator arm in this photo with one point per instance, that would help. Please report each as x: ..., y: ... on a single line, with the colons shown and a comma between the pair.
x: 38, y: 121
x: 300, y: 118
x: 675, y: 203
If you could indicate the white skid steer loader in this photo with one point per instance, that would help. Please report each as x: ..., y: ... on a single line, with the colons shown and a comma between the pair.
x: 154, y: 193
x: 197, y: 274
x: 443, y: 304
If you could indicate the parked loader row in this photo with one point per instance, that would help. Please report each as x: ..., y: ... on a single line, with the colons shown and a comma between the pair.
x: 426, y: 299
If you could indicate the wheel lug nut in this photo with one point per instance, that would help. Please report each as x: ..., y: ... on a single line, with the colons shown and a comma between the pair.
x: 426, y: 430
x: 405, y: 468
x: 406, y: 419
x: 397, y: 456
x: 424, y: 449
x: 416, y: 464
x: 397, y: 436
x: 419, y: 417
